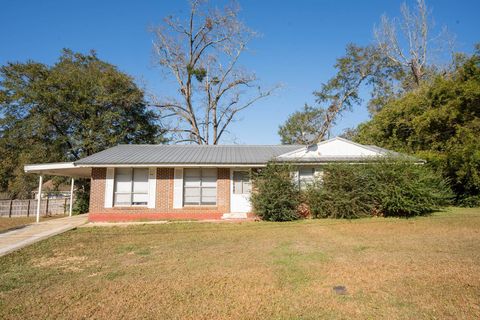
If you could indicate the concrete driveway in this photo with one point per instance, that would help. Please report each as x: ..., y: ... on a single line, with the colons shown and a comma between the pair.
x: 16, y: 239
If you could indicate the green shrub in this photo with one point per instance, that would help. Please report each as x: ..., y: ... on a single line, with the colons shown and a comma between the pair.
x: 388, y: 188
x: 275, y: 196
x: 469, y: 202
x: 406, y: 189
x: 82, y: 198
x: 344, y: 192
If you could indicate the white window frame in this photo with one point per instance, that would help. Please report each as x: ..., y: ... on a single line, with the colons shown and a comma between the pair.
x: 306, y: 180
x: 200, y: 187
x: 244, y: 184
x: 131, y: 193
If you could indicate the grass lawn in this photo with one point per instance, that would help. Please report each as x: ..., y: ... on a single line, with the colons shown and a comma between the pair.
x: 418, y: 268
x: 15, y: 222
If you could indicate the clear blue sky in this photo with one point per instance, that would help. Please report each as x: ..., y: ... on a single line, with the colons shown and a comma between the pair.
x: 300, y: 42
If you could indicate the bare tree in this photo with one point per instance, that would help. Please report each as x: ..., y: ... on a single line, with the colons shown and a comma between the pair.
x: 201, y: 54
x: 413, y: 29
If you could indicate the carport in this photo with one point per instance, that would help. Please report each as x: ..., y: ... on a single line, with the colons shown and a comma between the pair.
x: 65, y: 169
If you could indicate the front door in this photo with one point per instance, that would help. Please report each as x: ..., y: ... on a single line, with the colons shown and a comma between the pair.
x: 240, y: 191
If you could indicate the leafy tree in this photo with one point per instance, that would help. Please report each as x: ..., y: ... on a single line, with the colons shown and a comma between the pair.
x: 440, y: 121
x: 385, y: 68
x: 359, y: 66
x: 302, y: 126
x: 72, y: 109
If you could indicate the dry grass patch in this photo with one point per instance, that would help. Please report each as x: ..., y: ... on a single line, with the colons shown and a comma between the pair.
x: 18, y: 222
x: 401, y: 269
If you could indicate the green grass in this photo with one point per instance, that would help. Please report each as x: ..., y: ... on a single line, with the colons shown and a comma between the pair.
x: 421, y: 268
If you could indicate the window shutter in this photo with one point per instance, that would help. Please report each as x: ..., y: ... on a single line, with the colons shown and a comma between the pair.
x: 178, y: 188
x: 294, y: 175
x: 319, y: 175
x: 109, y: 187
x: 152, y: 187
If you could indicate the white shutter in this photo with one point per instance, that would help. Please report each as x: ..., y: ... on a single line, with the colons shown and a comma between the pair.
x: 178, y: 188
x: 109, y: 187
x: 152, y: 186
x: 294, y: 175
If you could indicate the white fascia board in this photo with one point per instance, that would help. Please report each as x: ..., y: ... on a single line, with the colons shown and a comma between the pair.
x: 48, y: 166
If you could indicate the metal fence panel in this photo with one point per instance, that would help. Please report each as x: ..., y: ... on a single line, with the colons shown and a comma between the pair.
x: 24, y: 208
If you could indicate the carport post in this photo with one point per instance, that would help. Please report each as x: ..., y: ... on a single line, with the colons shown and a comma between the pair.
x: 40, y: 182
x: 71, y: 198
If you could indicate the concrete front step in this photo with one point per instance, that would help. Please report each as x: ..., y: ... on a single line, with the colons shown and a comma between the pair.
x: 234, y: 215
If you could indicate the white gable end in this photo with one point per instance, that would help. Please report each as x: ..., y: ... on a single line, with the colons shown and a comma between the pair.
x: 336, y: 147
x: 339, y: 147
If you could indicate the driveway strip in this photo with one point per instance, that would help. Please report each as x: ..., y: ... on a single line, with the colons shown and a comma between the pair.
x: 19, y: 238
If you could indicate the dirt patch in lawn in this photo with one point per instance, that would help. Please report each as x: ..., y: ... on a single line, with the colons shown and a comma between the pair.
x: 67, y: 263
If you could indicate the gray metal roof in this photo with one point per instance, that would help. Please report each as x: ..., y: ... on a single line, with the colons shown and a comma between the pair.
x: 188, y: 154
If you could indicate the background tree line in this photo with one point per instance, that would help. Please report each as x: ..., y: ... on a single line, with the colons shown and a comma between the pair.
x: 72, y: 109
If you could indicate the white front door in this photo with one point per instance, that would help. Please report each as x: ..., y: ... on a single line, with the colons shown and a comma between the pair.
x: 240, y: 191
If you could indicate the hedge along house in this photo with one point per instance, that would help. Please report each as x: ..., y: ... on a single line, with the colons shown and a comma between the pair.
x: 143, y: 182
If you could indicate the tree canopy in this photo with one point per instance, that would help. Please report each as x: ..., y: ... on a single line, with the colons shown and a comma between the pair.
x: 74, y: 108
x: 302, y: 126
x: 440, y: 122
x: 384, y: 67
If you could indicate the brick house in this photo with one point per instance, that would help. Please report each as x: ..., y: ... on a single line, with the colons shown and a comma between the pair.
x: 146, y: 182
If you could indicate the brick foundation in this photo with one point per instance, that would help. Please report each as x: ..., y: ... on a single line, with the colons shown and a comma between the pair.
x: 163, y: 201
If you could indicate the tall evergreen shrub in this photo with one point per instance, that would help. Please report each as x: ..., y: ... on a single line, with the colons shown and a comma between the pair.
x: 275, y: 196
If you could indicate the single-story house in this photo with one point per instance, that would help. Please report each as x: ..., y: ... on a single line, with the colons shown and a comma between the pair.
x: 141, y: 182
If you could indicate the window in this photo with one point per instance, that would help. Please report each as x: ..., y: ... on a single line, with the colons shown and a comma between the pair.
x: 306, y: 176
x: 200, y: 186
x: 131, y: 187
x: 241, y: 182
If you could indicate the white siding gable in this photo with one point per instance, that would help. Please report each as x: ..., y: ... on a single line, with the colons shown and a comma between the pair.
x: 331, y: 148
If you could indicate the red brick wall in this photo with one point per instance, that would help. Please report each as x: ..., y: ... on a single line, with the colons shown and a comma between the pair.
x: 164, y: 200
x: 97, y: 189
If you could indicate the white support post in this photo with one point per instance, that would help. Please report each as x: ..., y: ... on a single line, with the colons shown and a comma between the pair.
x: 40, y: 182
x: 71, y: 198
